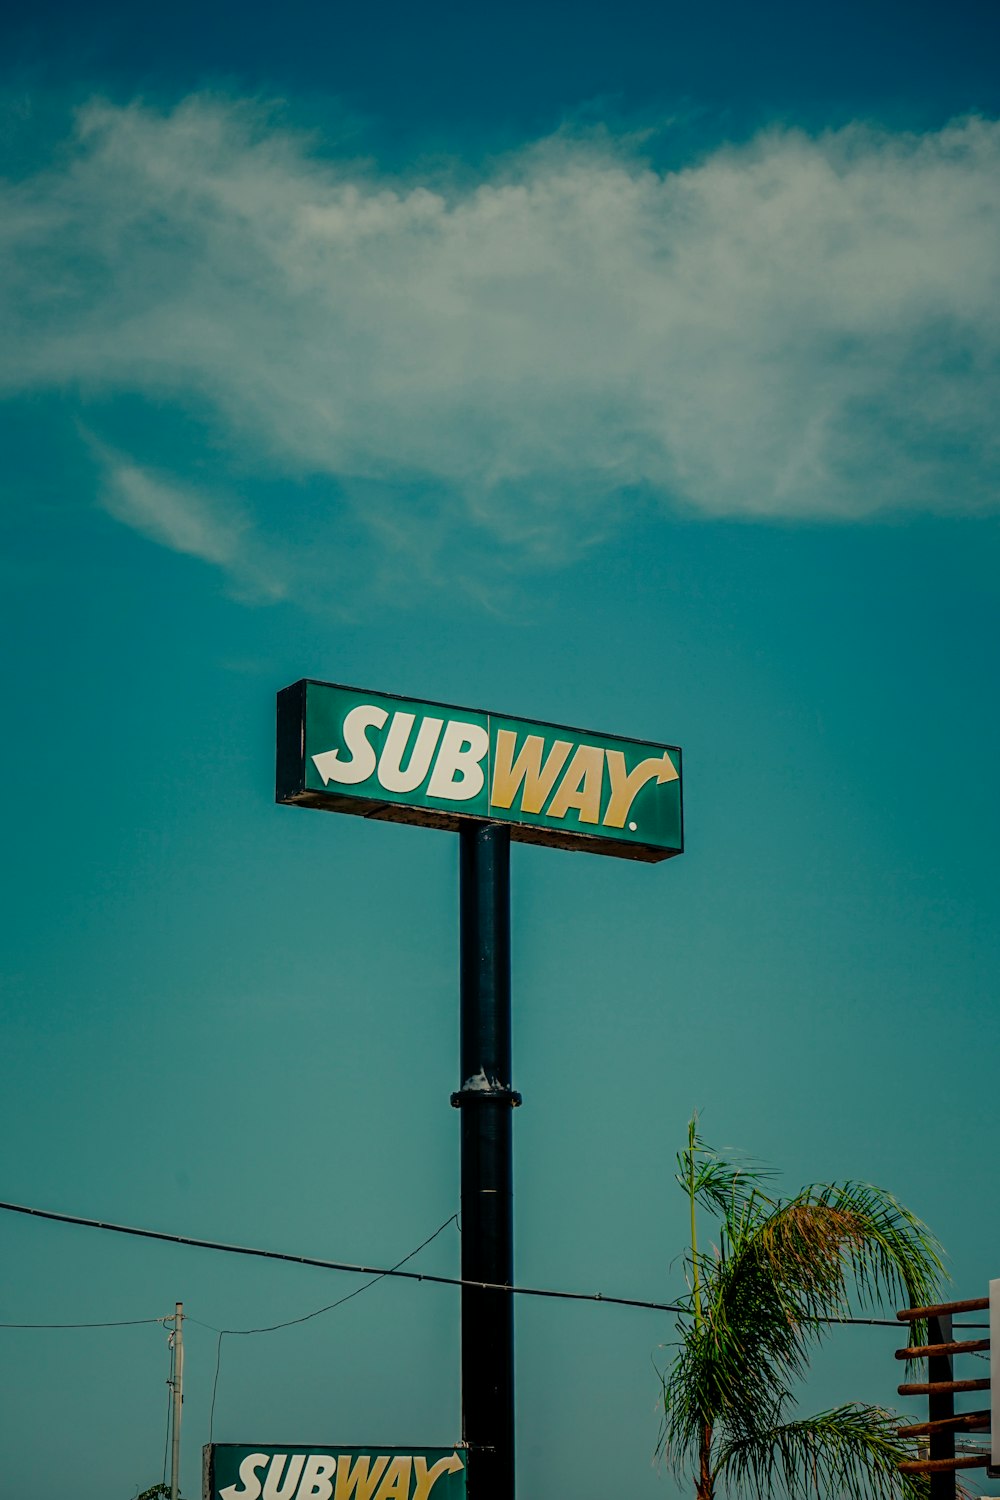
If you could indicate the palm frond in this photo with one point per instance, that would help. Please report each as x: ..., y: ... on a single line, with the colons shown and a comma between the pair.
x: 734, y: 1369
x: 751, y: 1346
x: 721, y: 1380
x: 728, y: 1185
x: 783, y: 1270
x: 781, y: 1276
x: 891, y: 1252
x: 852, y: 1451
x: 834, y: 1240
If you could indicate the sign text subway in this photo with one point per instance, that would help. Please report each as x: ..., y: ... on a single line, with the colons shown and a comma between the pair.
x: 379, y: 756
x: 236, y: 1472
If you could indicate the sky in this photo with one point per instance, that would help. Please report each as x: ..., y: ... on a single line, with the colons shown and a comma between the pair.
x: 632, y: 369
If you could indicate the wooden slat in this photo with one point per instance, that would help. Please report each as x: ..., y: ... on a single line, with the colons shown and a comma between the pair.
x: 963, y: 1346
x: 932, y: 1387
x: 914, y: 1314
x: 946, y: 1465
x: 968, y: 1421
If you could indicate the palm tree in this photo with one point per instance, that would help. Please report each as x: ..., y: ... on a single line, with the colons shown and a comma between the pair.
x: 780, y: 1270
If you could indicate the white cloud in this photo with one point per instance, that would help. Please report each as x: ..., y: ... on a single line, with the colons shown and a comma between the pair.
x: 186, y: 520
x: 175, y: 517
x: 797, y: 327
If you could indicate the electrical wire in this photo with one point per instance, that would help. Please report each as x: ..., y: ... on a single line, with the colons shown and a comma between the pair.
x: 378, y: 1272
x: 215, y: 1385
x: 862, y: 1322
x: 335, y: 1265
x: 291, y: 1323
x: 273, y: 1327
x: 125, y: 1323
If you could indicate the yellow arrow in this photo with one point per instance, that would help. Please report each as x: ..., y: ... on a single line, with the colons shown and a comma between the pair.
x: 425, y: 1478
x: 625, y: 785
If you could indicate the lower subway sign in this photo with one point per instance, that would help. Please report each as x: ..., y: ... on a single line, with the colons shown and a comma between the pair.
x: 352, y: 751
x: 240, y: 1471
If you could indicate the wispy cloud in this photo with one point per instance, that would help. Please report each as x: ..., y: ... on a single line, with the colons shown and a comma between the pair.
x: 797, y: 327
x: 187, y: 520
x: 177, y: 518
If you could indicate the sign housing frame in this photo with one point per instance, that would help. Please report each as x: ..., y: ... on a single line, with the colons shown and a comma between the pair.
x: 293, y: 775
x: 454, y: 1487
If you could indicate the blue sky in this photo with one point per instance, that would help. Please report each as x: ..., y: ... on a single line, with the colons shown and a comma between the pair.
x: 632, y: 370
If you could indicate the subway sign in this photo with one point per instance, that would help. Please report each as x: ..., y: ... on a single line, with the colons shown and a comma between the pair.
x: 349, y: 750
x: 242, y: 1471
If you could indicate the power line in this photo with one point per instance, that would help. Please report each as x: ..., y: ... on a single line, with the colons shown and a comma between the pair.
x: 215, y: 1384
x: 376, y: 1271
x: 123, y: 1323
x: 273, y: 1328
x: 334, y: 1265
x: 862, y: 1322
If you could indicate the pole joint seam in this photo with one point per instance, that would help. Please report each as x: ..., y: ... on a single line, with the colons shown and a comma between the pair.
x: 492, y: 1095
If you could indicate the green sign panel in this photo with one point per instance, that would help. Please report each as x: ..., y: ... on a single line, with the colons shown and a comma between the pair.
x: 241, y: 1471
x: 353, y: 751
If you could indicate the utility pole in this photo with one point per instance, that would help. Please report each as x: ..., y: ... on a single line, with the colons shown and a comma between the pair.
x: 486, y: 1100
x: 178, y: 1393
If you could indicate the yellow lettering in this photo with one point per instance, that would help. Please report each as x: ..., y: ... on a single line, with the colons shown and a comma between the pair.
x: 625, y: 786
x: 396, y: 1484
x: 581, y: 786
x: 354, y: 1479
x: 425, y: 1479
x: 539, y: 780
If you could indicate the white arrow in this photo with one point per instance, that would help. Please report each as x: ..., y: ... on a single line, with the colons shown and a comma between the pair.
x: 362, y: 760
x: 325, y: 764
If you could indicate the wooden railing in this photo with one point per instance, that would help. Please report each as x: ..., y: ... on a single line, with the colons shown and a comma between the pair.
x: 941, y: 1461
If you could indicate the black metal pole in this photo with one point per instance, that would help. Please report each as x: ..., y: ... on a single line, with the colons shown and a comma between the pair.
x: 486, y: 1100
x: 941, y: 1404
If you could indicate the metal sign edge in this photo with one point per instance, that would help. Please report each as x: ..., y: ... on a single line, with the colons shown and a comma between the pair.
x: 493, y: 713
x: 291, y: 791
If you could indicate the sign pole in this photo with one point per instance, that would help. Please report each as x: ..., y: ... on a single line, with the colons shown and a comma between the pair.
x: 486, y: 1100
x: 491, y: 779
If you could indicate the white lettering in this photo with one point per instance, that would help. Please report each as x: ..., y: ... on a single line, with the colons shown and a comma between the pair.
x: 316, y: 1481
x: 458, y: 773
x: 362, y: 763
x: 390, y: 771
x: 273, y: 1488
x: 248, y: 1479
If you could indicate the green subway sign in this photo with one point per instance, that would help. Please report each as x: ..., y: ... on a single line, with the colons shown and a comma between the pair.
x: 377, y: 756
x: 242, y: 1471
